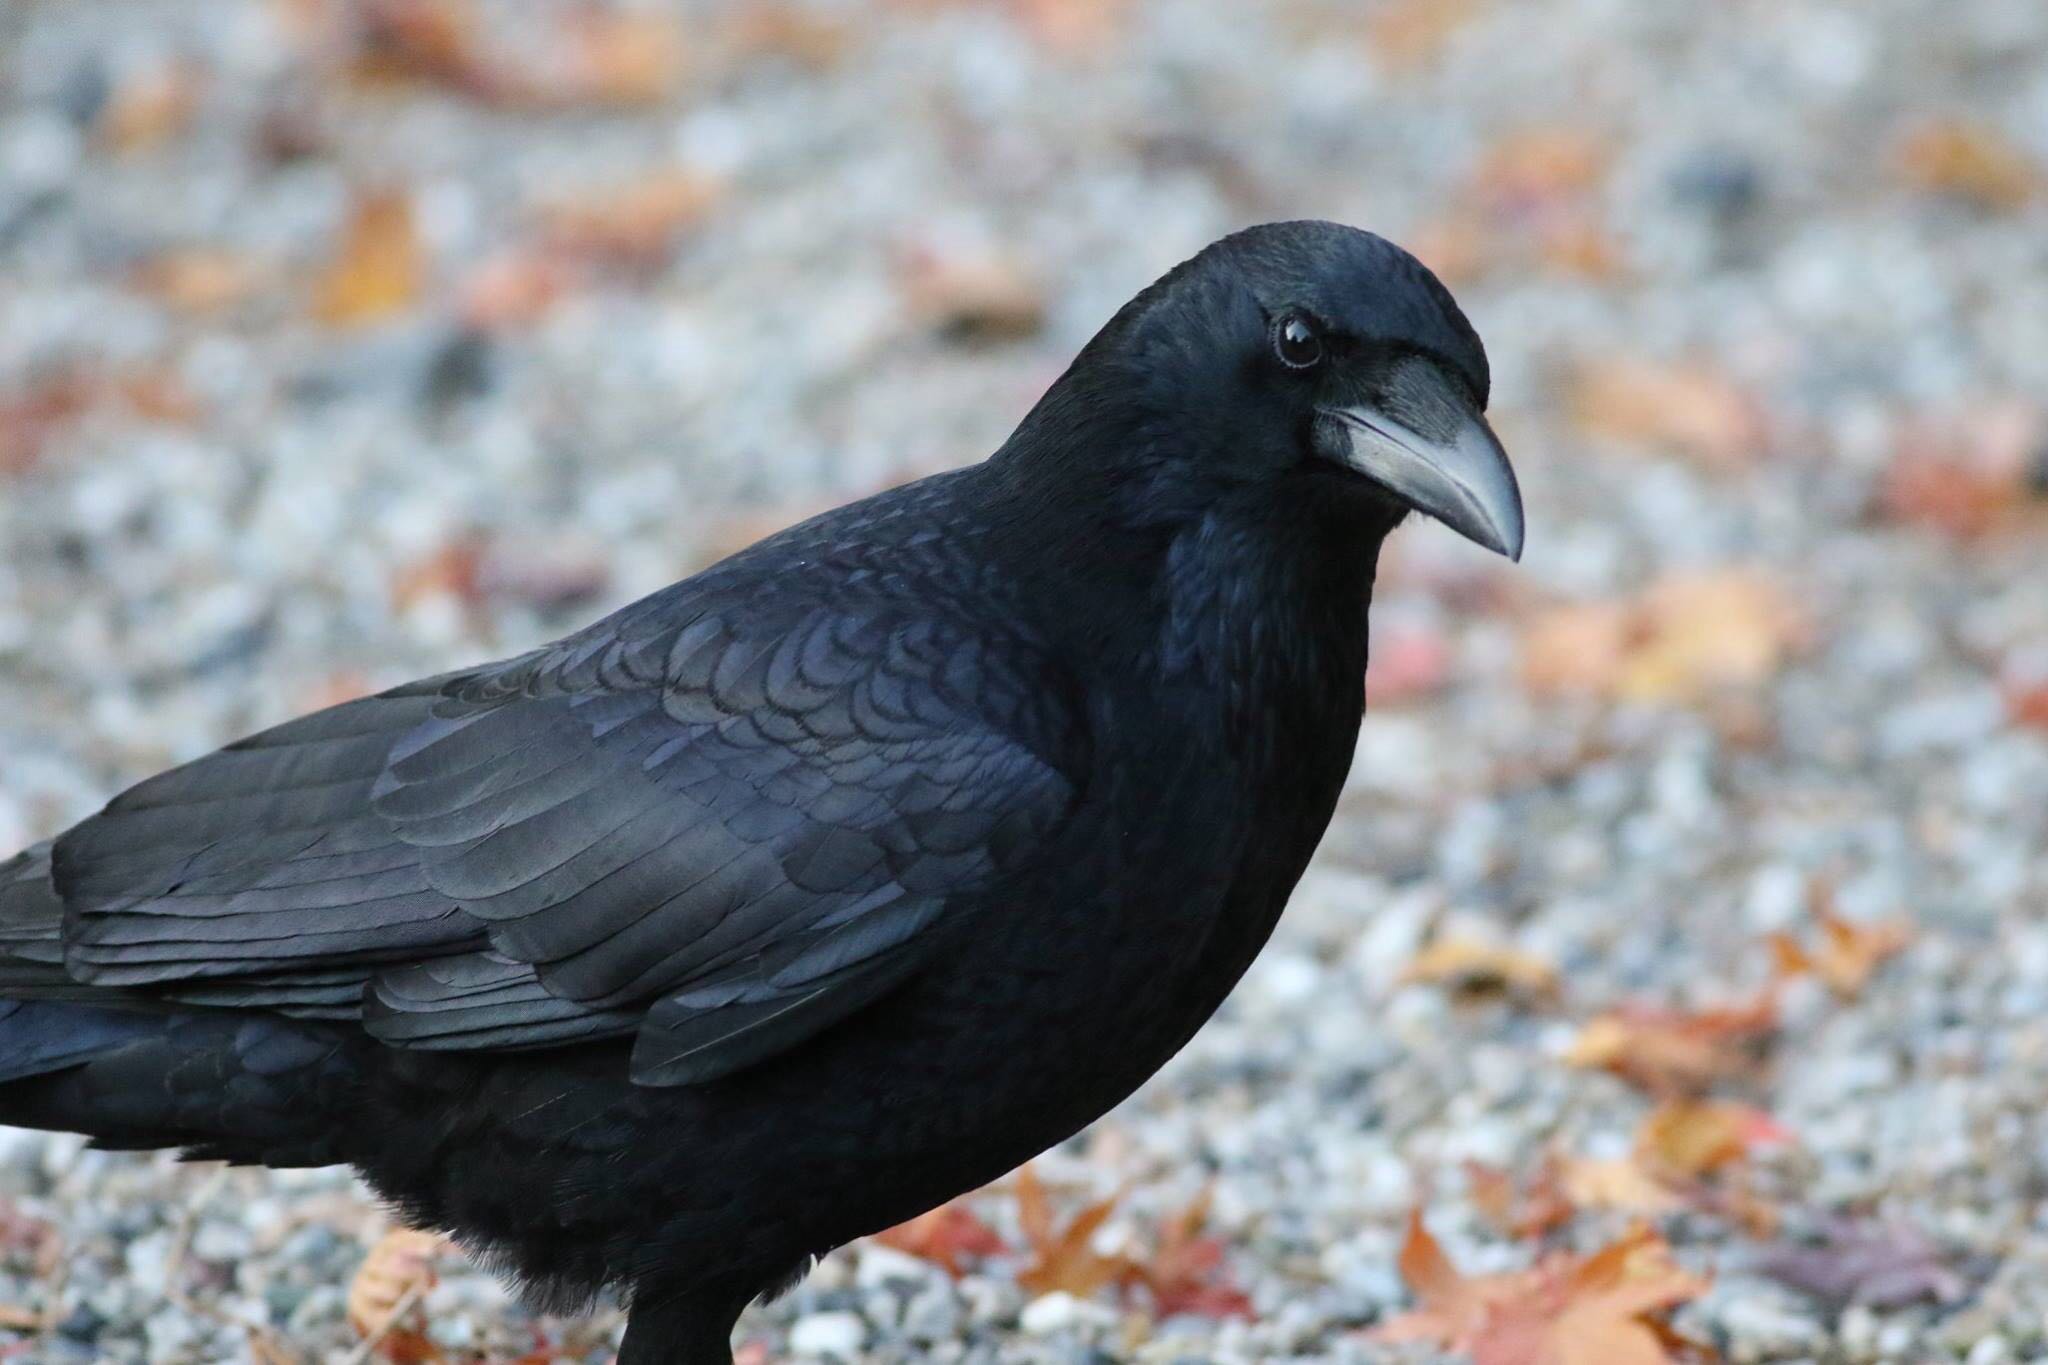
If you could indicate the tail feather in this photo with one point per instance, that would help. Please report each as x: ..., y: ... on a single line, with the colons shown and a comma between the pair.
x: 254, y: 1088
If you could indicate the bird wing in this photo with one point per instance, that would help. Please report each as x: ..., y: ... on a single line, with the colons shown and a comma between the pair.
x: 722, y: 826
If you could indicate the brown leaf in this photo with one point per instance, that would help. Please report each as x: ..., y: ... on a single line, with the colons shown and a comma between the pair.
x: 1969, y: 161
x: 1472, y: 968
x: 455, y: 570
x: 377, y: 271
x: 1685, y: 639
x: 1405, y: 666
x: 150, y: 109
x: 1690, y: 410
x: 392, y: 1279
x: 1884, y: 1265
x: 511, y: 290
x: 1533, y: 167
x: 633, y: 226
x: 1531, y: 1210
x: 197, y: 280
x: 945, y: 1236
x: 2026, y: 700
x: 1969, y: 473
x: 623, y: 58
x: 1185, y: 1274
x: 1678, y: 1052
x: 797, y: 33
x: 1683, y: 1139
x: 1406, y: 34
x: 1072, y: 28
x: 434, y: 42
x: 975, y: 298
x: 1064, y: 1259
x: 1604, y: 1309
x: 1618, y: 1184
x: 1848, y: 954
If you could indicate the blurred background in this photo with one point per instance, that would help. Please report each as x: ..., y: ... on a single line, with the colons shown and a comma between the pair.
x: 1680, y: 954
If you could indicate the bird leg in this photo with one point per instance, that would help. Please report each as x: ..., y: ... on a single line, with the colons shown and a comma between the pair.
x: 671, y: 1327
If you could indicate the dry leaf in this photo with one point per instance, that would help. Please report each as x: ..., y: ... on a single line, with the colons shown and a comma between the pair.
x: 1185, y: 1272
x: 1678, y: 1052
x: 436, y: 42
x: 1971, y: 472
x: 1684, y: 1139
x: 1064, y: 1259
x: 973, y: 299
x: 634, y: 226
x: 512, y: 290
x: 455, y: 570
x: 1848, y: 954
x: 151, y: 108
x: 377, y: 271
x: 1472, y: 968
x: 1073, y: 28
x: 1618, y: 1184
x: 1410, y: 33
x: 197, y: 280
x: 945, y: 1237
x: 1535, y: 166
x: 2026, y: 695
x: 1532, y: 1210
x: 1689, y: 409
x: 795, y: 33
x: 1685, y: 639
x: 1405, y: 666
x: 1883, y: 1265
x: 387, y: 1289
x: 1604, y: 1309
x: 1970, y: 161
x: 623, y: 58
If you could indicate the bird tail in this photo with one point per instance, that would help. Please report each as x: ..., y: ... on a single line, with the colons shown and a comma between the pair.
x: 134, y: 1073
x: 255, y: 1089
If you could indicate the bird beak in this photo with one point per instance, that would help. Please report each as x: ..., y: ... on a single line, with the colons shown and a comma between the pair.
x: 1465, y: 482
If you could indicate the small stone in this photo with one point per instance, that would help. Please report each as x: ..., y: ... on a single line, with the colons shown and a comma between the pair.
x: 832, y: 1335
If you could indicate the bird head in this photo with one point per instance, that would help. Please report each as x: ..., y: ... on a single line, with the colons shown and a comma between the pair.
x: 1302, y: 351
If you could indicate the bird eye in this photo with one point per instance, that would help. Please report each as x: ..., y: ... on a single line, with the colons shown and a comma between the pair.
x: 1297, y: 343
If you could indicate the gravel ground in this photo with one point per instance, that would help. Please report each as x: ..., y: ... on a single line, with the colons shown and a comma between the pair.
x: 1763, y: 288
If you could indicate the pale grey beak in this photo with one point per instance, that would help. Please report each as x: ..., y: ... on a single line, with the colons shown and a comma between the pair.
x: 1465, y: 482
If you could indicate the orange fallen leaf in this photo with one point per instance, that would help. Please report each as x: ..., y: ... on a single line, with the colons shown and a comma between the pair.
x: 1472, y: 968
x: 384, y: 1295
x: 1685, y: 639
x: 1532, y: 166
x: 513, y: 289
x: 1185, y: 1274
x: 1405, y: 666
x: 2026, y: 702
x: 1410, y: 33
x: 1683, y: 1139
x: 632, y: 226
x: 973, y: 298
x: 150, y: 109
x: 1618, y: 1184
x: 377, y: 271
x: 1678, y: 1052
x: 1689, y: 409
x: 1971, y: 161
x: 945, y: 1236
x: 455, y: 570
x: 623, y: 58
x: 1530, y: 1210
x: 1072, y: 28
x: 1968, y: 473
x: 197, y: 280
x: 435, y: 42
x: 796, y: 33
x: 1848, y: 953
x: 1608, y: 1308
x: 1064, y: 1259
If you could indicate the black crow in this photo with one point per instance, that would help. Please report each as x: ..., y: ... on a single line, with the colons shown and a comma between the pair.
x: 818, y: 888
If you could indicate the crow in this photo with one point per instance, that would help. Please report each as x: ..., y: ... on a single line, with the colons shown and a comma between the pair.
x: 816, y: 889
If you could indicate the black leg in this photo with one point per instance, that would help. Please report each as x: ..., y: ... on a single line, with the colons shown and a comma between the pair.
x: 672, y: 1328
